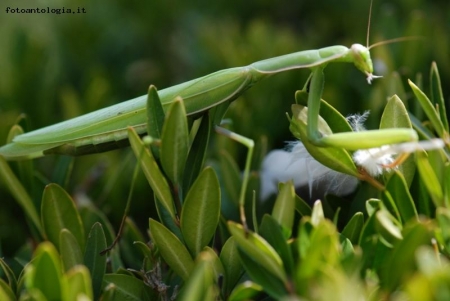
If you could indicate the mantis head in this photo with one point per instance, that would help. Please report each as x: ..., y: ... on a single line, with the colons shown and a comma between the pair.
x: 362, y: 60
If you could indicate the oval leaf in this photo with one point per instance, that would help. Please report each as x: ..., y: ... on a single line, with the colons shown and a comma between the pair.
x: 128, y: 287
x: 44, y: 273
x: 58, y: 211
x: 71, y: 254
x: 95, y: 262
x: 333, y: 157
x: 172, y: 250
x: 154, y: 176
x: 399, y: 191
x: 259, y: 249
x: 175, y: 141
x: 231, y: 263
x: 201, y: 211
x: 77, y: 284
x: 284, y: 208
x: 353, y: 229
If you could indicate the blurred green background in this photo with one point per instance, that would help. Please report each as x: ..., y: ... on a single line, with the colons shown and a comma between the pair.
x: 54, y: 67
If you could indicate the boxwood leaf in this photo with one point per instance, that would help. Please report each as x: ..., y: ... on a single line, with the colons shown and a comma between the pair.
x: 199, y: 285
x: 155, y: 116
x: 259, y: 249
x: 437, y: 96
x: 128, y: 288
x: 172, y: 249
x: 247, y: 290
x: 354, y: 227
x: 175, y: 141
x: 399, y: 191
x: 77, y: 284
x: 71, y: 254
x: 44, y: 273
x: 58, y: 211
x: 154, y: 176
x: 197, y: 153
x: 429, y: 109
x: 284, y: 208
x: 201, y: 211
x: 96, y: 263
x: 231, y: 263
x: 333, y: 157
x: 395, y: 115
x: 271, y: 231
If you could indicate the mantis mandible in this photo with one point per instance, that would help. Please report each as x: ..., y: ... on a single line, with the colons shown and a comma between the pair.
x: 97, y: 131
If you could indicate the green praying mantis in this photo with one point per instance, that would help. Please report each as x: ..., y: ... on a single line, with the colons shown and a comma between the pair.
x: 100, y: 130
x: 90, y: 132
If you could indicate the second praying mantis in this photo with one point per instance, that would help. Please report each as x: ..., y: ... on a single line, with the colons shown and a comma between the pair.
x: 99, y: 130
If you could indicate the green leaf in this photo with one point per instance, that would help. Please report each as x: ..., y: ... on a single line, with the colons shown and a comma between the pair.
x: 284, y: 208
x: 231, y: 175
x: 76, y: 284
x: 260, y: 274
x: 443, y: 220
x: 247, y: 290
x: 197, y: 153
x: 172, y: 249
x: 437, y: 96
x: 429, y: 109
x: 200, y: 284
x: 6, y: 292
x: 71, y: 254
x: 335, y: 158
x: 429, y: 178
x: 44, y: 273
x: 259, y: 249
x: 388, y: 227
x: 389, y: 203
x: 175, y: 141
x: 20, y: 194
x: 155, y: 116
x: 302, y: 207
x: 399, y: 191
x: 395, y: 115
x: 201, y: 211
x: 401, y: 263
x: 333, y: 117
x: 152, y: 172
x: 323, y: 251
x: 210, y: 255
x: 96, y: 263
x: 58, y: 211
x: 128, y: 288
x: 231, y: 263
x: 272, y: 232
x: 354, y: 228
x: 9, y: 274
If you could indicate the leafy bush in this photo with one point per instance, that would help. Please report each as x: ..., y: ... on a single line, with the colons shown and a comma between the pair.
x: 184, y: 238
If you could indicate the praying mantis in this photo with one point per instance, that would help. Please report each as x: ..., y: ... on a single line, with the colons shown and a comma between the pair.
x: 89, y: 133
x: 103, y: 129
